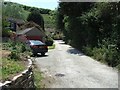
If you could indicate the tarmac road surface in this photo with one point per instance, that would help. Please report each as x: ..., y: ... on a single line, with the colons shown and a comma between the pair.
x: 66, y: 67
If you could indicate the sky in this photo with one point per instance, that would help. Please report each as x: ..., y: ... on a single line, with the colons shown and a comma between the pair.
x: 47, y: 4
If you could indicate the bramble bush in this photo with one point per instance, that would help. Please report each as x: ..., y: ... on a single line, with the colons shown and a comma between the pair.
x: 16, y: 49
x: 105, y: 53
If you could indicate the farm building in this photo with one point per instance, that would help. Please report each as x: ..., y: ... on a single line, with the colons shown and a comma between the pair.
x: 32, y: 33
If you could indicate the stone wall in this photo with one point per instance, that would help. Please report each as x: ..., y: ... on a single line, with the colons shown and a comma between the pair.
x: 23, y: 81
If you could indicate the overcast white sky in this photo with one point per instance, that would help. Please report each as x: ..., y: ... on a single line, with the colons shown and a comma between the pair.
x: 48, y: 4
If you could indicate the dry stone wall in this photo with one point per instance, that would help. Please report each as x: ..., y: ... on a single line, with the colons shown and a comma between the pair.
x: 23, y: 81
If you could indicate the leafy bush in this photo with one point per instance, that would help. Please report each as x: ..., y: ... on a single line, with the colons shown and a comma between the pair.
x: 57, y: 36
x: 103, y: 54
x: 49, y: 41
x: 16, y: 49
x: 6, y: 33
x: 88, y: 51
x: 112, y: 57
x: 14, y: 55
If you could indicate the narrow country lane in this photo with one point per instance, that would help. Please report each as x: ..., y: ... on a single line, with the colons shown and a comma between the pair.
x: 65, y: 67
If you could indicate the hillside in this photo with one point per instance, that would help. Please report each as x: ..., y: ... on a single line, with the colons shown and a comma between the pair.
x: 48, y: 21
x: 24, y: 11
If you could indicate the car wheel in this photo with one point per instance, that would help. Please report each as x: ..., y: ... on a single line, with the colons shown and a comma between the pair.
x: 42, y: 54
x: 34, y: 54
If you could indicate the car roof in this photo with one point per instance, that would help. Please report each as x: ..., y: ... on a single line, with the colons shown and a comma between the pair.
x: 36, y: 42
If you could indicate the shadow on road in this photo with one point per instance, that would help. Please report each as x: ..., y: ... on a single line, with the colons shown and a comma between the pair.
x: 74, y: 51
x: 38, y: 55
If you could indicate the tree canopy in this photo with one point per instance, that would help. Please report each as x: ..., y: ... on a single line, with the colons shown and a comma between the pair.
x: 37, y: 18
x: 94, y: 26
x: 13, y: 10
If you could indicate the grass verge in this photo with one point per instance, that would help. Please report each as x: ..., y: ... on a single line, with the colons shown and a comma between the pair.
x: 51, y: 47
x: 37, y: 77
x: 10, y: 67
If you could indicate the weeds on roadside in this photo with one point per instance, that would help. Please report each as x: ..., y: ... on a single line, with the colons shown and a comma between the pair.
x: 12, y: 64
x: 10, y: 67
x: 16, y: 49
x: 37, y: 77
x: 105, y: 53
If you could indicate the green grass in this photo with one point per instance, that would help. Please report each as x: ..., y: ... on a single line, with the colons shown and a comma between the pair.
x: 37, y: 78
x: 51, y: 47
x: 13, y: 64
x: 10, y: 67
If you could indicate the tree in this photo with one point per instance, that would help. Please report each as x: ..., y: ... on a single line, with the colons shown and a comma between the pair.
x: 93, y: 28
x: 13, y: 10
x: 59, y: 21
x: 37, y: 18
x: 74, y: 8
x: 68, y: 20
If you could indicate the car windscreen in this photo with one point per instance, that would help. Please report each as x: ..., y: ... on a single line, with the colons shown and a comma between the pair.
x: 35, y: 42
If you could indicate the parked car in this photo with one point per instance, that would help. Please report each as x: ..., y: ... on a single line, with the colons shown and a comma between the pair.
x: 37, y: 47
